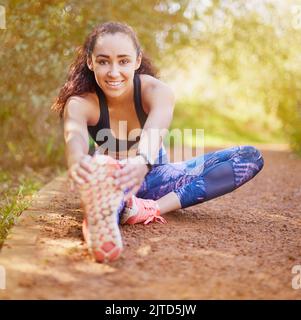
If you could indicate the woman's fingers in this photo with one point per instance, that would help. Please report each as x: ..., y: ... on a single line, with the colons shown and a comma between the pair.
x: 129, y: 184
x: 123, y: 176
x: 130, y: 187
x: 128, y: 168
x: 130, y: 179
x: 79, y: 172
x: 124, y: 171
x: 76, y: 178
x: 82, y: 173
x: 86, y: 164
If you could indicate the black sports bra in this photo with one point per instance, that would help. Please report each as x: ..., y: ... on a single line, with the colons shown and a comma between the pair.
x: 101, y: 136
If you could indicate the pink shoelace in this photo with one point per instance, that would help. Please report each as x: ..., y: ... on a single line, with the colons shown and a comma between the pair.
x: 151, y: 214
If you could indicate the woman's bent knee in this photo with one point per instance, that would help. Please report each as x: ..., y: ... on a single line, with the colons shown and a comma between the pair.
x: 253, y: 155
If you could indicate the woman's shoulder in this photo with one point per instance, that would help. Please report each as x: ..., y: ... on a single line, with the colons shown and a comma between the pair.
x: 151, y: 88
x: 149, y: 82
x: 82, y: 105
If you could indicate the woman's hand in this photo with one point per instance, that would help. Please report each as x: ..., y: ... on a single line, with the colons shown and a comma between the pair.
x: 131, y: 175
x: 79, y: 172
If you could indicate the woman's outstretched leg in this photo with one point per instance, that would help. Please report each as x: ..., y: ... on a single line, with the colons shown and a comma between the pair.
x: 101, y: 197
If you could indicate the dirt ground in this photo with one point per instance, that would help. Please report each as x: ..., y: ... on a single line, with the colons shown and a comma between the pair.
x: 239, y: 246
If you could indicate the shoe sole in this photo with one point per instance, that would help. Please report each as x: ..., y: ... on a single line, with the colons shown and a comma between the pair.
x: 101, y: 198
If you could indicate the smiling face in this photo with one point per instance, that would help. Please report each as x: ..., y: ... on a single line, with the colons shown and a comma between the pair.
x: 114, y: 61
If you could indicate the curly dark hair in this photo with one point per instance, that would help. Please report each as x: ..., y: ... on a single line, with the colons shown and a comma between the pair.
x: 81, y: 79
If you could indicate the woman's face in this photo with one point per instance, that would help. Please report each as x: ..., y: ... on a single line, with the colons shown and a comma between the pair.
x: 114, y: 61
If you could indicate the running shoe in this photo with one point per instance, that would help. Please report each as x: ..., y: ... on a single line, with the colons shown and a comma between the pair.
x: 101, y: 198
x: 141, y: 210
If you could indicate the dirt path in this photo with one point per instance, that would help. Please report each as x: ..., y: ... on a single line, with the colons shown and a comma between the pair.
x: 242, y: 245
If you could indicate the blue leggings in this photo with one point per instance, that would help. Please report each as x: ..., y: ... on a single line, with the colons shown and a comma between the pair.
x: 202, y: 178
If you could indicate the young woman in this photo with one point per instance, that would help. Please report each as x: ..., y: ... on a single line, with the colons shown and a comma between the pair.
x: 112, y: 91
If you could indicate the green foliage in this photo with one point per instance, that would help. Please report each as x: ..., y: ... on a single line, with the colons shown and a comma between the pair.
x: 240, y: 78
x: 15, y: 194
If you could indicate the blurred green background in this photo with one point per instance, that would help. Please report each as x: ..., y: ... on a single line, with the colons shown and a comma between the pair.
x: 234, y: 65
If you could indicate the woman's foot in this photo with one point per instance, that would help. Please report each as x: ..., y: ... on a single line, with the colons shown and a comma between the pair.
x: 141, y: 210
x: 101, y: 198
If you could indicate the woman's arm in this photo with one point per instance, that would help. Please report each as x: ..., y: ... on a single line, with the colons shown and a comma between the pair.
x: 75, y: 130
x: 161, y: 105
x: 161, y: 102
x: 77, y: 140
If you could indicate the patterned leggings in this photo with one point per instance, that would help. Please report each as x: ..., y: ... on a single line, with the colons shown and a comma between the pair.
x: 202, y: 178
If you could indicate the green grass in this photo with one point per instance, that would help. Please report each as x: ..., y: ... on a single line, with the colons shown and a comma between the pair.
x: 15, y: 190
